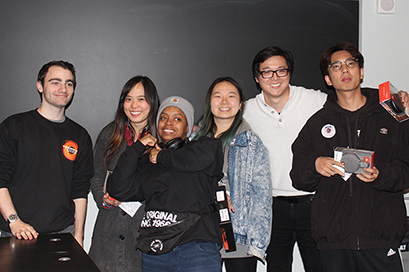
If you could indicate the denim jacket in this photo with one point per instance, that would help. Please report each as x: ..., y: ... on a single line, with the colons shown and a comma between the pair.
x: 250, y: 191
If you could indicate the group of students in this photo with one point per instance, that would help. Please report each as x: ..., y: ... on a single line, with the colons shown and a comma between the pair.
x: 253, y: 155
x: 180, y: 176
x: 275, y: 161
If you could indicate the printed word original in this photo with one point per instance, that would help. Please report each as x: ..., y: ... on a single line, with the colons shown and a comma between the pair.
x: 158, y: 219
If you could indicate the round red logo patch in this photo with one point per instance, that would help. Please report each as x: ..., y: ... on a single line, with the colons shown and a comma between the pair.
x: 70, y: 150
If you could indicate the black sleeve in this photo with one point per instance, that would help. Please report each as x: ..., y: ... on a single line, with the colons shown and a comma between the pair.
x: 205, y: 155
x: 394, y: 174
x: 125, y: 183
x: 303, y: 173
x: 98, y: 180
x: 83, y: 169
x: 8, y: 155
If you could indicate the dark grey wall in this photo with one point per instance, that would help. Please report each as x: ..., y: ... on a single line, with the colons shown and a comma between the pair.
x: 181, y: 45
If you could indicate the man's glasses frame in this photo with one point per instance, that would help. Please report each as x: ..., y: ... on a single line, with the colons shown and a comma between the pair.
x: 267, y: 74
x: 337, y: 65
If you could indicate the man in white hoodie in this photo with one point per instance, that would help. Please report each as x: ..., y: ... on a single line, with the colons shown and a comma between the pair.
x: 277, y: 115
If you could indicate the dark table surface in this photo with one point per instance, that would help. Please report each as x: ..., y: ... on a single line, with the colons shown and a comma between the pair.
x: 49, y: 252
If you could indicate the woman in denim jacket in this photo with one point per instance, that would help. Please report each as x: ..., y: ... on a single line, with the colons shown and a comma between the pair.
x: 247, y: 173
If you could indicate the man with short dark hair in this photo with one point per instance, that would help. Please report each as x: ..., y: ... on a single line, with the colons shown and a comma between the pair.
x: 277, y: 115
x: 358, y: 220
x: 45, y: 163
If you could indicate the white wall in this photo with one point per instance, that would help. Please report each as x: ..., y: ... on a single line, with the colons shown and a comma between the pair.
x: 384, y: 42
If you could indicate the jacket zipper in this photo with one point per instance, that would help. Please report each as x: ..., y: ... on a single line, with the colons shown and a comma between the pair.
x: 357, y: 138
x: 351, y: 190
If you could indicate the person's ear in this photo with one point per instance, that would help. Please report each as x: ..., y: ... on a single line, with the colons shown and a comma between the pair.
x: 39, y: 86
x: 328, y: 80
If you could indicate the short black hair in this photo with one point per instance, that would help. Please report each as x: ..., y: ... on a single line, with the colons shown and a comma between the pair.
x: 63, y: 64
x: 269, y: 52
x: 325, y: 59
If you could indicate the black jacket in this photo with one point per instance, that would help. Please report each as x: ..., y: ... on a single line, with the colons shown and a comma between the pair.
x: 183, y: 180
x: 353, y: 214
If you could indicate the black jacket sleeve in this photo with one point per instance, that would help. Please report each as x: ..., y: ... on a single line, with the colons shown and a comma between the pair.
x: 394, y: 173
x: 303, y: 173
x: 125, y: 183
x: 205, y: 155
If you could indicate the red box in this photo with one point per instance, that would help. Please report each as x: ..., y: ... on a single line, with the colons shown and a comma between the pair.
x: 390, y: 100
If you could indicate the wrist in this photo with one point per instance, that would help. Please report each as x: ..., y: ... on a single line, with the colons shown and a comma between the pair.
x: 12, y: 218
x: 78, y: 235
x: 105, y: 205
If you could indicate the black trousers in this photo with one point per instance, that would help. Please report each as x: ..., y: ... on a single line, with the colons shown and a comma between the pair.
x: 370, y: 260
x: 241, y: 264
x: 292, y: 223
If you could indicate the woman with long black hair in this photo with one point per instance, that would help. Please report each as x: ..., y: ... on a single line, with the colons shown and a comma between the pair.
x: 115, y: 232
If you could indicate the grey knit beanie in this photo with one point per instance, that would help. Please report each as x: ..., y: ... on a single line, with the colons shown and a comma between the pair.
x: 183, y: 105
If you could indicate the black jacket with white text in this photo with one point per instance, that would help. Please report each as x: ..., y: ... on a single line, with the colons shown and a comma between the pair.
x: 183, y: 180
x: 353, y: 214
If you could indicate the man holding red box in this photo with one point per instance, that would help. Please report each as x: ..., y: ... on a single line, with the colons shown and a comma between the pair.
x: 358, y: 223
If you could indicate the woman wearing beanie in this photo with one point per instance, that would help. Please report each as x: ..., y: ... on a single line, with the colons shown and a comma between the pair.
x: 177, y: 179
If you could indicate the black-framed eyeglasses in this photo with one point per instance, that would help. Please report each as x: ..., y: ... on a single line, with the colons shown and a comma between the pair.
x: 270, y: 73
x: 336, y: 65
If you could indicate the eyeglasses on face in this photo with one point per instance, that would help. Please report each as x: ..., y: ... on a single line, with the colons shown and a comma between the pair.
x: 270, y: 73
x: 337, y: 65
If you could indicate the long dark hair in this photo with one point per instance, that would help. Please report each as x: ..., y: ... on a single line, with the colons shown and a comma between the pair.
x: 208, y: 126
x: 118, y: 134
